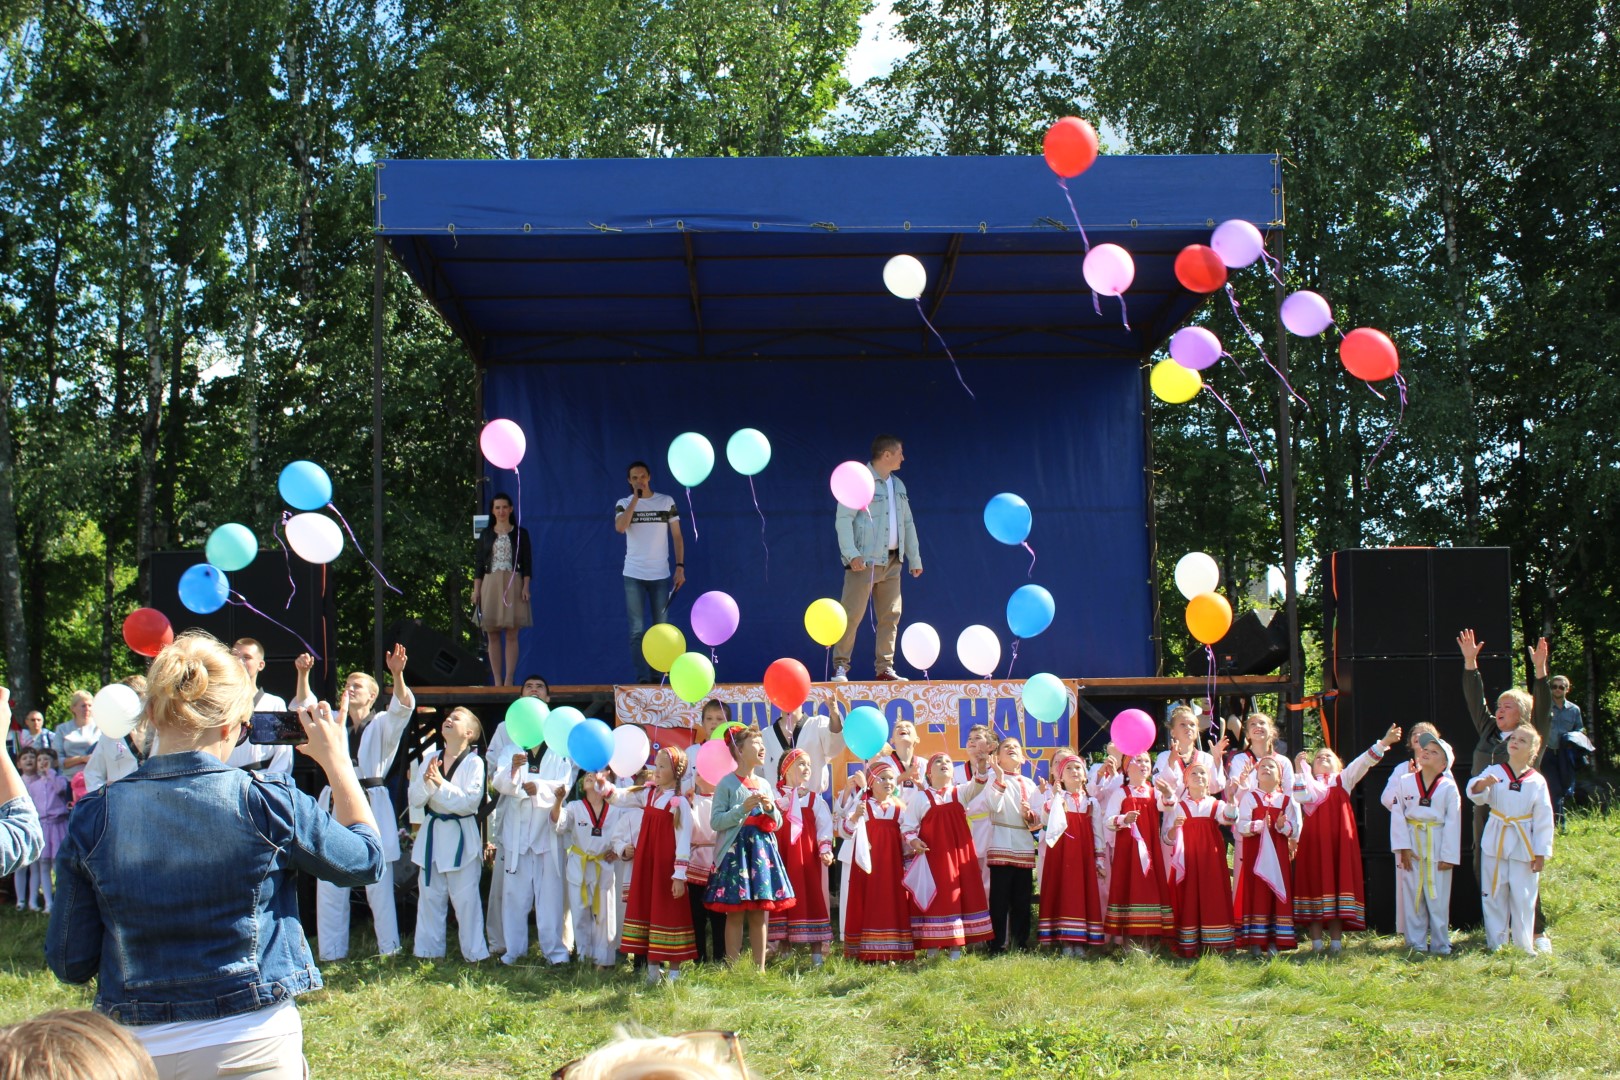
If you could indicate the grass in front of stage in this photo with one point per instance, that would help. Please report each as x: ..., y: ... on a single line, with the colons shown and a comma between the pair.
x: 1376, y: 1011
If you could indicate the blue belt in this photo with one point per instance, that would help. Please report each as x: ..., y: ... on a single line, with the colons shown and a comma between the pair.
x: 461, y: 843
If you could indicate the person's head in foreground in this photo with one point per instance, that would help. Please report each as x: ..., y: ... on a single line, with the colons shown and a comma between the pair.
x: 72, y: 1044
x: 696, y: 1055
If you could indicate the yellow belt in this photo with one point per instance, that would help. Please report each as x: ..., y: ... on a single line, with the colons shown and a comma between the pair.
x: 1428, y: 879
x: 1501, y: 837
x: 982, y: 816
x: 590, y: 893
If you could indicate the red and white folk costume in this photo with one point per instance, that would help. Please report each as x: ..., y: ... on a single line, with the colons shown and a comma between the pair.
x: 1200, y: 881
x: 1262, y: 900
x: 658, y: 925
x: 1172, y: 768
x: 1327, y: 866
x: 1242, y: 760
x: 951, y: 910
x: 805, y: 835
x: 1139, y: 904
x: 1072, y: 910
x: 876, y: 908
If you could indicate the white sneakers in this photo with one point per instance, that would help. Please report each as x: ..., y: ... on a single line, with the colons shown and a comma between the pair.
x: 1544, y: 944
x: 888, y: 674
x: 841, y: 673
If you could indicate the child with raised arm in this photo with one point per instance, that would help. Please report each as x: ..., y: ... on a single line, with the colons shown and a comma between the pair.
x: 1200, y: 881
x: 1071, y: 911
x: 805, y: 841
x: 749, y: 880
x: 449, y: 789
x: 1262, y: 899
x: 1012, y: 799
x: 952, y: 910
x: 1139, y: 903
x: 657, y: 919
x: 876, y: 909
x: 1517, y: 841
x: 1260, y: 741
x: 1425, y: 833
x: 585, y: 828
x: 708, y: 927
x: 1172, y: 764
x: 1328, y: 889
x: 970, y: 776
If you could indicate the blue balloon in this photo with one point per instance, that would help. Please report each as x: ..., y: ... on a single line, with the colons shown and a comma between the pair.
x: 865, y: 731
x: 1008, y: 518
x: 590, y: 745
x: 305, y: 486
x: 1029, y: 611
x: 203, y: 589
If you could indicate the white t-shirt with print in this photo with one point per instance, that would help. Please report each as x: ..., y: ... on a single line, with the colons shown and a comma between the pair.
x: 646, y: 552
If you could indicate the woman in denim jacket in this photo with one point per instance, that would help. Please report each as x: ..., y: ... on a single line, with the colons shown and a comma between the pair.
x: 175, y: 885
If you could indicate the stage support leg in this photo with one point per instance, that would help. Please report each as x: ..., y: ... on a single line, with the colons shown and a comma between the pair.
x: 378, y: 298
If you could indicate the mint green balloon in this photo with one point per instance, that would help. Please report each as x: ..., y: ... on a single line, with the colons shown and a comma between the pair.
x: 231, y: 547
x: 748, y: 450
x: 559, y: 725
x: 691, y: 459
x: 526, y: 720
x: 1045, y: 697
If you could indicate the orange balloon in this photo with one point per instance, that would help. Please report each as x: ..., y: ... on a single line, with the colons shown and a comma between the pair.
x: 1209, y: 617
x: 1070, y: 146
x: 1369, y: 354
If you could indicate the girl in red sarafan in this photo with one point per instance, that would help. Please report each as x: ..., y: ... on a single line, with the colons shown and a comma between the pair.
x: 1200, y: 881
x: 1072, y: 912
x: 877, y: 923
x: 1328, y: 886
x: 657, y: 918
x: 805, y: 841
x: 1268, y: 823
x: 1139, y: 896
x: 950, y: 909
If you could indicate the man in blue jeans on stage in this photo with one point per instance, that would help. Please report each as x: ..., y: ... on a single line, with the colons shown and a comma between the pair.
x: 649, y: 523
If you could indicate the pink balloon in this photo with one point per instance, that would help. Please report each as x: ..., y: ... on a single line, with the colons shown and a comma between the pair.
x: 503, y: 443
x: 714, y: 761
x: 853, y: 486
x: 1132, y: 731
x: 1109, y: 269
x: 1306, y: 314
x: 1237, y: 242
x: 714, y: 618
x: 1195, y: 348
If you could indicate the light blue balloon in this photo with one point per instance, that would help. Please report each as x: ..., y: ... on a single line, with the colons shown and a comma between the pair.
x: 305, y: 485
x: 691, y: 459
x: 231, y: 547
x: 748, y: 450
x: 1045, y: 697
x: 1008, y: 518
x: 865, y: 731
x: 203, y: 589
x: 590, y: 744
x: 1029, y: 611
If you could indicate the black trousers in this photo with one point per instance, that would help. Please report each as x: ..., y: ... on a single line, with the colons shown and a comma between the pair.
x: 708, y: 926
x: 1012, y: 891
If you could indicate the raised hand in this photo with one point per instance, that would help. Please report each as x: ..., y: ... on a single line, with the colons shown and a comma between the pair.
x: 303, y: 662
x: 1391, y: 737
x: 1219, y: 753
x: 395, y: 661
x: 1470, y: 648
x: 1538, y: 659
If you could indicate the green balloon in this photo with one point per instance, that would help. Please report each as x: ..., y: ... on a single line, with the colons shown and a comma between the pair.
x: 559, y: 724
x: 231, y: 547
x: 525, y: 721
x: 691, y: 677
x: 1045, y: 697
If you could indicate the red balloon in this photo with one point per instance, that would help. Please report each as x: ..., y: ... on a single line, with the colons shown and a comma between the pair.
x: 787, y: 684
x: 1369, y: 354
x: 1199, y: 269
x: 147, y: 630
x: 1070, y: 146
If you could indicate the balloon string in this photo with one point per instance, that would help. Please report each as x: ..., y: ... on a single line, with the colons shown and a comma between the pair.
x: 1236, y: 361
x: 1013, y: 659
x: 1273, y: 264
x: 1241, y: 428
x: 243, y: 602
x: 506, y: 593
x: 1084, y: 239
x: 1124, y: 315
x: 1031, y: 558
x: 1400, y: 386
x: 360, y: 549
x: 871, y: 596
x: 1259, y: 345
x: 946, y: 347
x: 691, y: 513
x: 286, y: 556
x: 1209, y: 657
x: 762, y: 542
x: 826, y: 666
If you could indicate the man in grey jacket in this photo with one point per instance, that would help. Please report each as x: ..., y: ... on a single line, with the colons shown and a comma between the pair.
x: 873, y: 543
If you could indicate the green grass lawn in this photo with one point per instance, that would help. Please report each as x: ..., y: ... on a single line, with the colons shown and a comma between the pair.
x: 1374, y: 1012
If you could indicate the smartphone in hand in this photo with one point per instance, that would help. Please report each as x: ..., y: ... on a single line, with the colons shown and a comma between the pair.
x: 276, y: 729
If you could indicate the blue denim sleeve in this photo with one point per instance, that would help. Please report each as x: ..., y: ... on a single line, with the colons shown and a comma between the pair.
x: 20, y: 837
x: 347, y: 857
x: 73, y: 936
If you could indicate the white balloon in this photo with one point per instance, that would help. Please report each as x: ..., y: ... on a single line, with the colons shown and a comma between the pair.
x: 979, y: 650
x: 630, y: 750
x: 1196, y: 573
x: 920, y: 645
x: 116, y: 709
x: 314, y: 537
x: 905, y: 277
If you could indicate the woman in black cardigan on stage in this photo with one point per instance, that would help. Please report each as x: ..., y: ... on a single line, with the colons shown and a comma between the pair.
x: 502, y: 568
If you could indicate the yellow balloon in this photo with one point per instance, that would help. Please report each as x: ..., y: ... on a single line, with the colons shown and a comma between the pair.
x: 825, y: 621
x: 1209, y: 617
x: 1173, y: 383
x: 661, y: 644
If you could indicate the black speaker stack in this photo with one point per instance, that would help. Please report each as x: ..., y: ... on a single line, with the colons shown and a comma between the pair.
x: 1393, y: 615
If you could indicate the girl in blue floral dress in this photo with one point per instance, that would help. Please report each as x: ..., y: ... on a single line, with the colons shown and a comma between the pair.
x: 749, y: 879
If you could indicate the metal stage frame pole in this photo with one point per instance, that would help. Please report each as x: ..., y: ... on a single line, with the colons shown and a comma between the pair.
x: 378, y: 299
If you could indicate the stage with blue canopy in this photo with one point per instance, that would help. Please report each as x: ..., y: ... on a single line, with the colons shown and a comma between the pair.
x: 612, y: 305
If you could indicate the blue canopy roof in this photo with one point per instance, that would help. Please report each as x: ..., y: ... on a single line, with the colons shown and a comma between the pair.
x: 782, y: 258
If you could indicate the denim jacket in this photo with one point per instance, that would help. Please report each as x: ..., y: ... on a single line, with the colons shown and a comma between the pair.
x: 865, y: 533
x: 20, y: 834
x: 175, y: 888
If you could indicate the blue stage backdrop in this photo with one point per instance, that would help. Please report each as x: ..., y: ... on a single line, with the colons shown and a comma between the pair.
x: 1066, y: 436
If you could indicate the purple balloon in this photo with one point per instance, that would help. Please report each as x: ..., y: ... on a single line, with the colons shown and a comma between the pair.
x: 1195, y: 348
x: 714, y: 618
x: 1237, y: 242
x: 1306, y: 314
